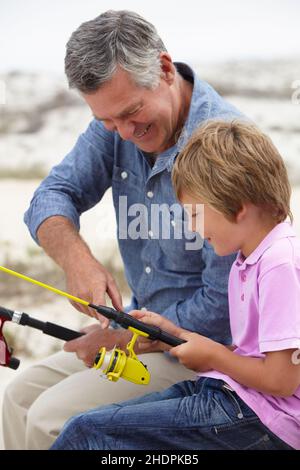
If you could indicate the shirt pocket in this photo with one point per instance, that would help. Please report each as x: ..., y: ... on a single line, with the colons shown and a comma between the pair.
x: 127, y: 184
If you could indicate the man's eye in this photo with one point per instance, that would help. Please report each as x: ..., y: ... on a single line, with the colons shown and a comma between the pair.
x: 134, y: 111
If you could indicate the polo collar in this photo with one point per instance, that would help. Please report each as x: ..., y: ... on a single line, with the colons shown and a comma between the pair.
x: 282, y: 230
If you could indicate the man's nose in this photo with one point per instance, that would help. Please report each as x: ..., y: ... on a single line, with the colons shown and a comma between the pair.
x: 109, y: 125
x: 125, y: 129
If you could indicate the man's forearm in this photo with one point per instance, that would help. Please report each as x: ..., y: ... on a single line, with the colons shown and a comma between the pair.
x: 61, y: 241
x: 86, y: 278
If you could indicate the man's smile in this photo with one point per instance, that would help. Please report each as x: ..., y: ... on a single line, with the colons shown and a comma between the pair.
x: 142, y: 133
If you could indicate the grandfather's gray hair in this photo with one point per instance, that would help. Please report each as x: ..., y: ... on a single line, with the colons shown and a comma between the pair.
x: 114, y: 38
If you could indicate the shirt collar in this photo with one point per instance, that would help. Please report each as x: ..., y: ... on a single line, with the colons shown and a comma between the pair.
x: 198, y: 112
x: 282, y: 230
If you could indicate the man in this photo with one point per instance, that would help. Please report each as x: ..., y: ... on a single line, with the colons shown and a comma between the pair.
x: 145, y: 109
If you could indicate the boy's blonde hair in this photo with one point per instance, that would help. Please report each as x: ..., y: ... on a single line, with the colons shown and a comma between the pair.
x: 226, y: 164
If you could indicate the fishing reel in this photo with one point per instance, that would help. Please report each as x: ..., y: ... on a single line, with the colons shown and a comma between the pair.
x: 296, y: 357
x: 6, y: 357
x: 116, y: 363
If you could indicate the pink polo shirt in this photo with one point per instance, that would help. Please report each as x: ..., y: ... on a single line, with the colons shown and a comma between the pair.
x: 264, y: 306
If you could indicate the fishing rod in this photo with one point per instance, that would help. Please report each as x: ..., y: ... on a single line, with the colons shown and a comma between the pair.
x: 116, y: 363
x: 22, y: 318
x: 123, y: 319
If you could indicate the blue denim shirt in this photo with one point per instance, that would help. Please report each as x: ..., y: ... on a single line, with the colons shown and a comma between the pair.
x: 187, y: 286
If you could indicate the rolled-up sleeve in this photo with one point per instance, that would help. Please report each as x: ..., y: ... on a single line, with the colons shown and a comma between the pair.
x: 206, y: 312
x: 77, y: 183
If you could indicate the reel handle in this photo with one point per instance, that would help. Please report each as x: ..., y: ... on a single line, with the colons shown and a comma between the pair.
x: 13, y: 363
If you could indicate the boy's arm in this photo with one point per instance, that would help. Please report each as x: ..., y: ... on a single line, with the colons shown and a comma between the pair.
x: 275, y: 374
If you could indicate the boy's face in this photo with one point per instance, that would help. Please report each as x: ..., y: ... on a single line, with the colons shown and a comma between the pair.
x: 221, y: 233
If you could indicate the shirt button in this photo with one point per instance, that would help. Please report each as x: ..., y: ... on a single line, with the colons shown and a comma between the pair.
x: 144, y: 309
x: 148, y: 269
x: 150, y: 194
x: 244, y: 277
x: 150, y: 233
x: 124, y: 175
x: 242, y: 297
x: 173, y: 223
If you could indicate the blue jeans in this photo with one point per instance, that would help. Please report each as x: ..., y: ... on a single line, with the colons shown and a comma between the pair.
x: 189, y: 415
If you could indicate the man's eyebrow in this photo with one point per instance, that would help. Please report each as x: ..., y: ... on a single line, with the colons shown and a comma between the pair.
x: 123, y: 113
x: 129, y: 109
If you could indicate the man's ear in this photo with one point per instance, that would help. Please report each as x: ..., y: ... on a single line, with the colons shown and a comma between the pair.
x: 168, y: 70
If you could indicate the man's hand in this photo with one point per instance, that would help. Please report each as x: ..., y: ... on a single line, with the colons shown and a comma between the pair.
x: 91, y: 281
x: 86, y: 278
x: 86, y: 347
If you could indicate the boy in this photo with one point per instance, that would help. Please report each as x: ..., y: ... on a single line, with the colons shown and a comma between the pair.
x: 246, y: 396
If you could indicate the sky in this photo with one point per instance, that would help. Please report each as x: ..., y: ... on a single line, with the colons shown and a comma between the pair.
x: 33, y: 33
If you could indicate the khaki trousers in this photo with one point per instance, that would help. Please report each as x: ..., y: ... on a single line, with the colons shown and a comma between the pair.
x: 42, y: 398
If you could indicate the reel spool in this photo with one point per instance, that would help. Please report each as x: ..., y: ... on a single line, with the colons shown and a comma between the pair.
x: 296, y: 357
x: 115, y: 363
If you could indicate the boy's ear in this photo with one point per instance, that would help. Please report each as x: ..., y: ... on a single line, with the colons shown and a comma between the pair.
x: 240, y: 216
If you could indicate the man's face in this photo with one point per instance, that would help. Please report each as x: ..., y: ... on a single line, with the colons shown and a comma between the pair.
x: 148, y: 118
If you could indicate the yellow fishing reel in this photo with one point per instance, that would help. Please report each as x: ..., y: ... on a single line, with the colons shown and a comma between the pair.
x: 116, y: 363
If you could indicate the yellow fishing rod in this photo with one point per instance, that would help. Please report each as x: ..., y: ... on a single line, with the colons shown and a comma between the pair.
x: 116, y: 363
x: 45, y: 286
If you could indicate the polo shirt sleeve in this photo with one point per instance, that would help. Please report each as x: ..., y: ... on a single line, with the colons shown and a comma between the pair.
x: 77, y: 183
x: 279, y: 308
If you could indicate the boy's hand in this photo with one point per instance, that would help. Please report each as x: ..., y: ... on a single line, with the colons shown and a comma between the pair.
x: 197, y: 353
x: 145, y: 345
